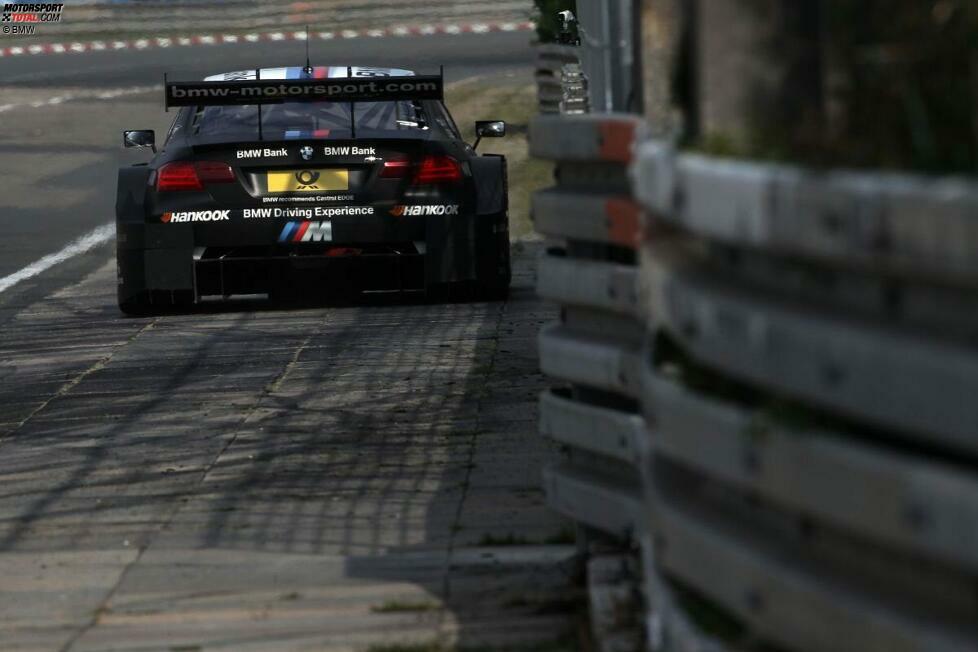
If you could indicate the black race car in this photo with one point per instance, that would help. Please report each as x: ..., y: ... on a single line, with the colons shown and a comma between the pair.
x: 287, y: 182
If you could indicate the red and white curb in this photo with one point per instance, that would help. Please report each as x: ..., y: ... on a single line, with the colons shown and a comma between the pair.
x: 221, y: 39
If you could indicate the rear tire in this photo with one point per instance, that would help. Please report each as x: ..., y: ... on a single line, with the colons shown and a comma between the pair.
x: 497, y: 287
x: 150, y: 303
x: 135, y: 307
x: 495, y: 293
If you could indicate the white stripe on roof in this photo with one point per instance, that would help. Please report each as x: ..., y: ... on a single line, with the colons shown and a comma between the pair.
x: 335, y: 72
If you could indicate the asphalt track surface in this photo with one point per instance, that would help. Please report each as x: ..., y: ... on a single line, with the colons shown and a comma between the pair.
x: 252, y: 479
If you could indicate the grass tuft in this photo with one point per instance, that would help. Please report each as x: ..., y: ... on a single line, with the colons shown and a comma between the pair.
x: 404, y: 606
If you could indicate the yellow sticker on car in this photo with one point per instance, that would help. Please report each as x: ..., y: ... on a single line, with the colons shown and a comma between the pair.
x: 308, y: 181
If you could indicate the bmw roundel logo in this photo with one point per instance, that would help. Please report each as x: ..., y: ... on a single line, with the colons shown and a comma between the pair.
x: 306, y: 152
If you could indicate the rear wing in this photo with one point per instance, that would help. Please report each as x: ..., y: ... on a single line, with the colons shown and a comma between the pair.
x: 259, y: 92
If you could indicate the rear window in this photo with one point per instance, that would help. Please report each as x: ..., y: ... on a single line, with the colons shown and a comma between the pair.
x: 404, y: 119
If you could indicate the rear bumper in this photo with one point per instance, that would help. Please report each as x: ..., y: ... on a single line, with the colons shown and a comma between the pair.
x: 308, y: 274
x: 259, y: 258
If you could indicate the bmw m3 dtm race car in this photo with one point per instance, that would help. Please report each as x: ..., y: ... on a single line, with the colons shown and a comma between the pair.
x: 289, y: 181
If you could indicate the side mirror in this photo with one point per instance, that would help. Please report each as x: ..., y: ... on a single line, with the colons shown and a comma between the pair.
x: 139, y: 138
x: 488, y: 129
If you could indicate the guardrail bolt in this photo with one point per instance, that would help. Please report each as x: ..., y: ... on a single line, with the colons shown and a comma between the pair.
x: 832, y: 374
x: 832, y: 222
x: 678, y: 199
x: 916, y: 517
x: 893, y: 297
x: 752, y: 461
x: 754, y: 599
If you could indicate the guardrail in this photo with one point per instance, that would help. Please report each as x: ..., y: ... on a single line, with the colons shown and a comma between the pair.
x: 590, y: 270
x: 561, y: 85
x: 768, y: 396
x: 159, y: 18
x: 814, y: 443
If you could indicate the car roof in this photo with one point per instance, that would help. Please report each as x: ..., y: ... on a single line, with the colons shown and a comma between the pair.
x: 318, y: 72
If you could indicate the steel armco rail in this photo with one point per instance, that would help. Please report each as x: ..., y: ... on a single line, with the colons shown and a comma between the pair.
x: 814, y: 440
x: 775, y: 404
x: 590, y: 270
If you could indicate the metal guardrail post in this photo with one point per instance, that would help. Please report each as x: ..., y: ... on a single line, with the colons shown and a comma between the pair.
x: 607, y: 53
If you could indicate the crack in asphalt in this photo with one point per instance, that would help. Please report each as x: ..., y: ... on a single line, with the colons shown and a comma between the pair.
x: 165, y: 522
x: 71, y: 384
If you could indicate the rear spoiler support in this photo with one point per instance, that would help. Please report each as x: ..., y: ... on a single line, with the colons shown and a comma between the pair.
x: 353, y: 108
x: 260, y: 135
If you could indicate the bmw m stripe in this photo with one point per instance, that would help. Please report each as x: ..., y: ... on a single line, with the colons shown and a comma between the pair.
x: 288, y: 231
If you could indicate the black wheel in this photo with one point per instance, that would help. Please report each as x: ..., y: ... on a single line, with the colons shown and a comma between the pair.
x: 495, y: 293
x: 496, y: 288
x: 134, y: 307
x: 156, y: 302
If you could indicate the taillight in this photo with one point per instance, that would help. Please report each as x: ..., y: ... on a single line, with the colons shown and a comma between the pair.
x: 214, y: 172
x: 185, y: 175
x: 438, y: 169
x: 179, y: 175
x: 395, y: 169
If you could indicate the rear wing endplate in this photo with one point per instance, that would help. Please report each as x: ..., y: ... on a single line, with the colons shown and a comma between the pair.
x: 258, y: 92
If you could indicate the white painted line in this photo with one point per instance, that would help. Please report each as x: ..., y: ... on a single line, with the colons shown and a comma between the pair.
x: 92, y: 239
x: 84, y: 95
x: 212, y: 39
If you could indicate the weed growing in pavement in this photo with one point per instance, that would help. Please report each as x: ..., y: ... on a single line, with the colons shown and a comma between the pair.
x: 398, y: 606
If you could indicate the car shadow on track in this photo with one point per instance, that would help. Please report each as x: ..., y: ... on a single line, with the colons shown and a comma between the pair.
x: 364, y: 475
